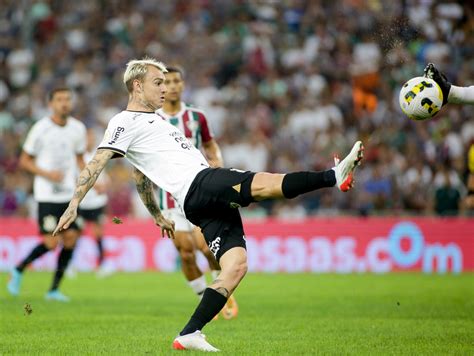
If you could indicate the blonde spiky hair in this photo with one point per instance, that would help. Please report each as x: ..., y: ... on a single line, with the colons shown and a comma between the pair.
x: 137, y: 69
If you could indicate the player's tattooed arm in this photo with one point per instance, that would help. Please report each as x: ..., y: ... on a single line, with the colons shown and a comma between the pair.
x: 145, y: 190
x: 85, y: 182
x: 90, y: 173
x: 147, y: 195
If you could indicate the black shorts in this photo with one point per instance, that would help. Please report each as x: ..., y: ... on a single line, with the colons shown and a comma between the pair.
x: 49, y: 214
x: 93, y: 215
x: 212, y: 204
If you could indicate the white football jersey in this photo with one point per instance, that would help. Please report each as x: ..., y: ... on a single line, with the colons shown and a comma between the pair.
x: 55, y: 148
x: 157, y: 149
x: 93, y: 199
x: 193, y: 123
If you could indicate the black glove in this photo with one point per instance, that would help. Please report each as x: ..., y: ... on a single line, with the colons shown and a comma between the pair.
x: 432, y: 72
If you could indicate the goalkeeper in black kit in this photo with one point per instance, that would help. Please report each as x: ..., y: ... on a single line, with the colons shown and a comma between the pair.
x: 451, y: 94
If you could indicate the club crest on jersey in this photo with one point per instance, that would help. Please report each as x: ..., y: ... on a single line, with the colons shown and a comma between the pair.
x: 116, y: 135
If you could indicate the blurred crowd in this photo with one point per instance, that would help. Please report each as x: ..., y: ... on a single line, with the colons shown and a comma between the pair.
x: 285, y: 84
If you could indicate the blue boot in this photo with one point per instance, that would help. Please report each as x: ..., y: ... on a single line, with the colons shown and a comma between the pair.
x: 56, y: 296
x: 14, y: 284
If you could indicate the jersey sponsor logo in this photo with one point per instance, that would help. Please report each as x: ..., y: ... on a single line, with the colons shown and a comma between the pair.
x: 183, y: 141
x: 234, y: 205
x: 116, y: 134
x: 215, y: 246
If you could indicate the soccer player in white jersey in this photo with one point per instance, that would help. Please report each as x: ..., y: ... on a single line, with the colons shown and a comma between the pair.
x: 187, y: 237
x: 92, y: 208
x: 451, y: 93
x: 210, y: 197
x: 53, y: 151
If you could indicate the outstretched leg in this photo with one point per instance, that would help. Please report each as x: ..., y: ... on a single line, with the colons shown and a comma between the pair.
x: 224, y: 231
x: 290, y: 185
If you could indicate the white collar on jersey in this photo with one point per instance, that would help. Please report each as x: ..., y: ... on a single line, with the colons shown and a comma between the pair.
x: 161, y: 112
x: 56, y: 124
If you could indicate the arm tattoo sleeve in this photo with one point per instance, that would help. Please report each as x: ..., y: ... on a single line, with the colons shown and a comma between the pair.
x: 90, y: 173
x: 146, y: 192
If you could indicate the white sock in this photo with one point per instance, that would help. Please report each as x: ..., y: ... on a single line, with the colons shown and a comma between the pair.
x: 461, y: 95
x: 214, y: 274
x: 198, y: 285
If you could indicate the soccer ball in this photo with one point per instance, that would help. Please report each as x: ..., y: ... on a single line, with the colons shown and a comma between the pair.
x: 420, y: 98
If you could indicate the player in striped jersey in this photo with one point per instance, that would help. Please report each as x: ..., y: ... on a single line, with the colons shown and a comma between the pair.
x: 188, y: 238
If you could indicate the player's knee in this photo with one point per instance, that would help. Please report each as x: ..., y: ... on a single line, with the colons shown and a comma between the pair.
x: 242, y: 270
x: 239, y: 270
x: 69, y: 238
x: 187, y: 256
x: 266, y: 186
x: 51, y: 243
x: 98, y: 231
x: 210, y: 257
x: 206, y: 251
x: 69, y: 244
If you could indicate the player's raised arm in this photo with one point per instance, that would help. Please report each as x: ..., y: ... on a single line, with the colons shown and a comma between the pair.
x: 147, y: 195
x: 86, y: 181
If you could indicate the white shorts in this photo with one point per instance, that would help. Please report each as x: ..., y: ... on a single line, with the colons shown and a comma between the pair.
x: 180, y: 221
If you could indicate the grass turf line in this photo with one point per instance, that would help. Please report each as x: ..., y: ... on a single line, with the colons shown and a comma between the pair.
x: 141, y: 313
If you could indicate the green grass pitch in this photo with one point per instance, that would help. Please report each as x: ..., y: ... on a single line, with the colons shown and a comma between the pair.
x: 280, y: 314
